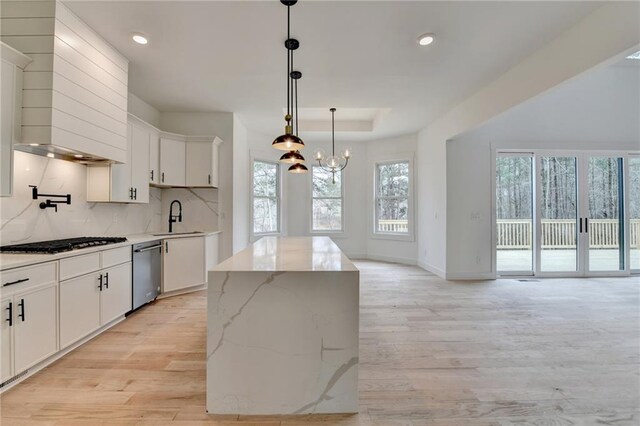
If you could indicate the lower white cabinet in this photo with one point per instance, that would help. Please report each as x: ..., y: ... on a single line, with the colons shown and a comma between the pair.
x: 93, y: 300
x: 29, y: 330
x: 115, y: 298
x: 183, y: 263
x: 79, y: 307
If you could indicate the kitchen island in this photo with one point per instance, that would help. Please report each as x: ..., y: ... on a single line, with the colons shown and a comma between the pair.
x: 282, y: 331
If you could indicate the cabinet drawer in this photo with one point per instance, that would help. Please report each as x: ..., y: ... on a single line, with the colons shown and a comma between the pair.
x: 116, y: 256
x: 79, y: 265
x: 22, y: 278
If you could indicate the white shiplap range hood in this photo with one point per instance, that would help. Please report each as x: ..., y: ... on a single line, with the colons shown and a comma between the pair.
x: 75, y: 90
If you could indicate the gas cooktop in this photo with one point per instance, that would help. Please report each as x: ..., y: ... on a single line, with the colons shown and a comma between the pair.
x: 59, y: 246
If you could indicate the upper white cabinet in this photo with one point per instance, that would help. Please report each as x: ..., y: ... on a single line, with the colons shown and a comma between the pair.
x: 13, y: 62
x: 75, y: 98
x: 128, y: 182
x: 172, y: 160
x: 202, y: 162
x: 154, y: 157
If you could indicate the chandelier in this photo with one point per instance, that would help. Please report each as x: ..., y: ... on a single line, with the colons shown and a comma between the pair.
x: 290, y: 141
x: 333, y: 163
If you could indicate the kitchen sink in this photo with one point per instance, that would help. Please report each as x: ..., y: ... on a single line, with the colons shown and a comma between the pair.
x: 165, y: 234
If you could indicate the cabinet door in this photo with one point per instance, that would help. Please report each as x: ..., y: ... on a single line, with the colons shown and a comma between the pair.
x: 5, y: 339
x: 172, y: 162
x: 154, y: 157
x: 183, y: 263
x: 121, y: 189
x: 36, y: 326
x: 140, y: 164
x: 79, y: 308
x: 199, y: 163
x: 116, y: 293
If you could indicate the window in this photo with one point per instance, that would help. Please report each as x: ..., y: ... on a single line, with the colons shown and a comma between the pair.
x: 392, y: 203
x: 327, y: 201
x: 266, y: 198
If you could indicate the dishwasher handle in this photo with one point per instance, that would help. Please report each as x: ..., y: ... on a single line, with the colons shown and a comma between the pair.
x: 142, y: 250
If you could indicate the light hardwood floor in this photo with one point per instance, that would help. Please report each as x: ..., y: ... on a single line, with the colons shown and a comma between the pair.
x: 550, y: 352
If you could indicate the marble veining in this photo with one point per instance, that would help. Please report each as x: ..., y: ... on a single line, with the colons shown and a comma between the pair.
x: 283, y: 342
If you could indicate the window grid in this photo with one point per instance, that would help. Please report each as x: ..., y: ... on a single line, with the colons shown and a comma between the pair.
x: 391, y: 226
x: 270, y: 200
x: 317, y: 170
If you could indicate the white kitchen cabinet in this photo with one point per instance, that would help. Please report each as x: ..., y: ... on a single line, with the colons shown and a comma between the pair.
x: 29, y: 317
x: 12, y: 63
x: 6, y: 352
x: 79, y: 307
x: 36, y: 329
x: 183, y: 263
x: 154, y: 157
x: 101, y: 294
x: 172, y: 160
x: 123, y: 183
x: 202, y: 162
x: 115, y: 299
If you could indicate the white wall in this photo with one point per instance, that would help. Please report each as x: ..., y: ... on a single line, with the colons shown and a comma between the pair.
x: 212, y: 124
x: 386, y: 249
x: 599, y: 111
x: 24, y: 221
x: 241, y: 179
x: 357, y: 240
x: 588, y: 44
x: 143, y: 110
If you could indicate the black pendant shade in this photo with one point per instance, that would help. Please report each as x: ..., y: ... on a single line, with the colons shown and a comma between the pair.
x: 292, y: 157
x: 288, y: 141
x: 298, y: 168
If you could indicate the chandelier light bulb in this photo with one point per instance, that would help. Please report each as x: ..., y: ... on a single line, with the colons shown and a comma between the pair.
x: 318, y: 154
x: 346, y: 152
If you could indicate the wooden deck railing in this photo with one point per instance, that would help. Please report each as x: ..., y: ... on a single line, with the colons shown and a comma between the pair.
x: 393, y: 226
x: 516, y: 234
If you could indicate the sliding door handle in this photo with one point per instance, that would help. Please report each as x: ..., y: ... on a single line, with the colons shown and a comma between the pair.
x: 581, y: 225
x: 586, y: 225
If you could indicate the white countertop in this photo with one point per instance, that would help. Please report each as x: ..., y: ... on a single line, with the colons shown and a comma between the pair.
x: 9, y: 261
x: 289, y: 254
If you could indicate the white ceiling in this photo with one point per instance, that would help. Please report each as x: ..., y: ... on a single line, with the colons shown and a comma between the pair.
x: 228, y: 55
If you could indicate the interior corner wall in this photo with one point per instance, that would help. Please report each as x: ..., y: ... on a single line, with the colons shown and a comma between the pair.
x: 143, y: 110
x: 597, y: 111
x: 219, y: 124
x: 241, y: 187
x: 582, y: 47
x: 387, y: 249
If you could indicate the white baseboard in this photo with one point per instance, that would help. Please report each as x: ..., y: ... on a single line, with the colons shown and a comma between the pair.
x: 182, y: 291
x: 430, y: 268
x: 466, y: 276
x: 390, y: 259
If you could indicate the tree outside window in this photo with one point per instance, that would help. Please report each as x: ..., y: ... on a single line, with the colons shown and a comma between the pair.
x: 327, y: 201
x: 392, y: 198
x: 266, y: 200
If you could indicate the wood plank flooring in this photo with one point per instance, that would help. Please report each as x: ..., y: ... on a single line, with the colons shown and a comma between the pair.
x: 551, y: 352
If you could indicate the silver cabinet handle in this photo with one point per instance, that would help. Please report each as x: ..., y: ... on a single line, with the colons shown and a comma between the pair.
x: 142, y: 250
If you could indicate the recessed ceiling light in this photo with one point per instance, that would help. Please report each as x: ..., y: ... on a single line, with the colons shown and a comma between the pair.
x: 139, y: 38
x: 426, y: 39
x: 634, y: 56
x: 51, y: 155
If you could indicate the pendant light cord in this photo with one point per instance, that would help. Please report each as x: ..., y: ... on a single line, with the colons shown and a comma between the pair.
x: 289, y: 60
x: 333, y: 132
x: 296, y: 107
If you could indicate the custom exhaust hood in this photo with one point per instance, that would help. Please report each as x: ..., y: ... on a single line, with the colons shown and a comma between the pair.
x: 74, y: 103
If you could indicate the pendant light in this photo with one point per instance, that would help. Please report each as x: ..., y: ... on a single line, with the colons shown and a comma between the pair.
x: 333, y: 163
x: 288, y: 141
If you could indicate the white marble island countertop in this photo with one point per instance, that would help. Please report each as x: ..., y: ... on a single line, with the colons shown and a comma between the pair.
x: 289, y: 254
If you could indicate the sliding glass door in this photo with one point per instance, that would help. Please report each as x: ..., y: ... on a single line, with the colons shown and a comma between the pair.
x: 565, y: 214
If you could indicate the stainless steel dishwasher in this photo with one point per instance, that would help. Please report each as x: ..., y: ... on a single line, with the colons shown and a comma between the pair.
x: 147, y: 272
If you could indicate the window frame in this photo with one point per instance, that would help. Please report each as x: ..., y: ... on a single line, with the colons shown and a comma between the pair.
x: 257, y: 235
x: 334, y: 232
x: 385, y: 235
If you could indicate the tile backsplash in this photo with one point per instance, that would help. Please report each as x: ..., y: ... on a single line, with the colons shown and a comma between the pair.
x: 24, y: 221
